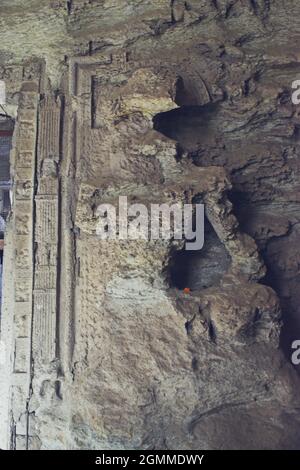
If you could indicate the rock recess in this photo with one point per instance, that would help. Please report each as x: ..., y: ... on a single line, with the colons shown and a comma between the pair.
x: 163, y: 102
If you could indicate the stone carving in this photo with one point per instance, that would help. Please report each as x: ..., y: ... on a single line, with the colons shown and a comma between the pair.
x: 44, y: 322
x: 23, y: 156
x: 46, y: 234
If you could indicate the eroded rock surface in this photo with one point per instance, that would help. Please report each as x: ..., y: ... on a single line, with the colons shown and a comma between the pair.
x: 161, y: 102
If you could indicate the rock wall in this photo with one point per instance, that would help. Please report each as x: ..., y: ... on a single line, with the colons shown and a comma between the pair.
x: 159, y: 101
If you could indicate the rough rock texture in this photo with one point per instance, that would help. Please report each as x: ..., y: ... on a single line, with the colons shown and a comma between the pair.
x: 159, y: 101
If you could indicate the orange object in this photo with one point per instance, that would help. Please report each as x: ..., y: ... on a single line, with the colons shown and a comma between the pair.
x: 187, y: 290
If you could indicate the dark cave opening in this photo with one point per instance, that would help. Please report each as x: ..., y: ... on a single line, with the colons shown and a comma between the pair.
x: 273, y: 250
x: 193, y: 121
x: 200, y: 269
x: 189, y: 125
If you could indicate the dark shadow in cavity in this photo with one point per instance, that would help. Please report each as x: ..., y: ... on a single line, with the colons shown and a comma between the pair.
x: 200, y: 269
x: 283, y: 282
x: 188, y: 125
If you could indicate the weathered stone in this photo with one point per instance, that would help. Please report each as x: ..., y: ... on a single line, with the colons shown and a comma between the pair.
x: 162, y: 102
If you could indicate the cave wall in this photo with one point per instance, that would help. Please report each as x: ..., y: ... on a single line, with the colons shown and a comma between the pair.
x: 161, y: 102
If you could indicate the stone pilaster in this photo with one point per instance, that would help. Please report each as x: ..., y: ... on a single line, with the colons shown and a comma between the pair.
x: 24, y: 159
